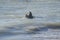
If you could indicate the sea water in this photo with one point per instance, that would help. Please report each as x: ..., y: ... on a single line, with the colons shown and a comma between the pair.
x: 15, y: 26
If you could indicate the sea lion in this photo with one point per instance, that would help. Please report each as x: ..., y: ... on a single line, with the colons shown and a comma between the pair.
x: 29, y: 15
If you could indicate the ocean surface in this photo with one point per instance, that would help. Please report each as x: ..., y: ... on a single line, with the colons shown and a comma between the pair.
x: 15, y: 26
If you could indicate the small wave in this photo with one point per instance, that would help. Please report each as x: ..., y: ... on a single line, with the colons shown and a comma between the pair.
x: 10, y: 16
x: 34, y: 29
x: 46, y: 26
x: 10, y: 32
x: 54, y: 25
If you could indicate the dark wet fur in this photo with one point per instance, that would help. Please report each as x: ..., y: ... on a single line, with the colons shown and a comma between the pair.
x: 30, y: 16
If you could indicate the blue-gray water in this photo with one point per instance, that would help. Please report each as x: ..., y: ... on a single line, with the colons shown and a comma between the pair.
x: 14, y: 25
